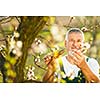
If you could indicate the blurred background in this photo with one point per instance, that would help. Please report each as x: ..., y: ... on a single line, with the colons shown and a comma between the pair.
x: 19, y: 32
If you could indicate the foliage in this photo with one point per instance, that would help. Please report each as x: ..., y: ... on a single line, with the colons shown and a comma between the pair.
x: 11, y: 53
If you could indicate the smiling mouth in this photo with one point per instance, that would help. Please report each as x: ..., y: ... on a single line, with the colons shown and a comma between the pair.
x: 76, y: 48
x: 83, y: 50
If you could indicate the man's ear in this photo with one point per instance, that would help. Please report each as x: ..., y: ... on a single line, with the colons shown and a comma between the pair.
x: 65, y: 43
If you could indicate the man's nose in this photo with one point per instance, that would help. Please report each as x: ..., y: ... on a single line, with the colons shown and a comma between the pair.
x: 75, y: 44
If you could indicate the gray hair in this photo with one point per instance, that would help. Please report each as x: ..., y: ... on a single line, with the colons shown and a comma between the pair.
x: 77, y: 30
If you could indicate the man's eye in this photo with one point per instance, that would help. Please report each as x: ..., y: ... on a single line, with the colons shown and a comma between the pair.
x: 79, y: 41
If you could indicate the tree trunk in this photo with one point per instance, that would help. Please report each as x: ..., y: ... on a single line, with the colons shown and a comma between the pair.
x: 28, y: 29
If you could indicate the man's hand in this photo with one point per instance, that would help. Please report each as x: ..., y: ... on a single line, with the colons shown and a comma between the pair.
x: 78, y: 58
x: 49, y: 75
x: 47, y: 59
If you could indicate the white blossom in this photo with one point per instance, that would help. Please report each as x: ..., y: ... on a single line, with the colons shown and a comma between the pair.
x: 19, y: 44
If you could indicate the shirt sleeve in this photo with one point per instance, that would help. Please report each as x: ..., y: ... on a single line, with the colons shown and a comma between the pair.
x: 94, y: 66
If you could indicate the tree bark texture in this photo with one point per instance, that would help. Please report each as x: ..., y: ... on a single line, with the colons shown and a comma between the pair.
x: 28, y: 29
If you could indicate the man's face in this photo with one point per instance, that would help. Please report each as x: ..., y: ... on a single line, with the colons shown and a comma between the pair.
x: 74, y: 42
